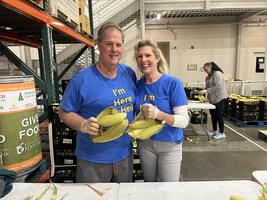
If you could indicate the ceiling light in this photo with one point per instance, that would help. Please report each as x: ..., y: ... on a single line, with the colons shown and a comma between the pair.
x: 57, y: 23
x: 158, y: 16
x: 7, y: 28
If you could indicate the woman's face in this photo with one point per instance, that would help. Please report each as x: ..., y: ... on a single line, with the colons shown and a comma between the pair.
x: 207, y: 69
x: 146, y: 60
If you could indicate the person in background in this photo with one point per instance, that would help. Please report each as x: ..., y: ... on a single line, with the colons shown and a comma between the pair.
x: 216, y: 94
x: 160, y: 97
x: 106, y: 83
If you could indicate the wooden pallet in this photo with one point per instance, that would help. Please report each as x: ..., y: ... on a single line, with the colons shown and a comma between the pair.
x: 262, y: 134
x: 244, y: 123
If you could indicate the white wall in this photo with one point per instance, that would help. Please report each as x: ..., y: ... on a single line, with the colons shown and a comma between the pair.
x: 132, y: 36
x: 197, y: 44
x: 18, y: 51
x: 253, y: 43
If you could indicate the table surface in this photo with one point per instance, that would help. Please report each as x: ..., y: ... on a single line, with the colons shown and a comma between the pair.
x: 198, y: 105
x: 71, y: 191
x: 260, y: 176
x: 207, y: 190
x: 204, y: 190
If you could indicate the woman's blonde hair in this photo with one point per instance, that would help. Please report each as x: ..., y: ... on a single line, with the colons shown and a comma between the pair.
x: 162, y: 66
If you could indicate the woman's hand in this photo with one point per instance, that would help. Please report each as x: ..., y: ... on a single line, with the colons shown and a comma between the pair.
x: 202, y: 92
x: 90, y: 126
x: 149, y: 111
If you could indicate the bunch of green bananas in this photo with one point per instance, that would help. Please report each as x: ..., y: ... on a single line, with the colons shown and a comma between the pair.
x: 252, y: 99
x: 143, y: 129
x: 262, y: 99
x: 247, y: 100
x: 201, y: 98
x: 112, y: 125
x: 234, y: 96
x: 262, y: 197
x: 264, y: 192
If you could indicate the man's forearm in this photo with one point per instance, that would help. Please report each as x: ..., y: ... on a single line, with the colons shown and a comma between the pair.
x: 71, y: 119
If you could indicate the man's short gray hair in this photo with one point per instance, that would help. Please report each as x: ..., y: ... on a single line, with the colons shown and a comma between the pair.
x: 106, y: 26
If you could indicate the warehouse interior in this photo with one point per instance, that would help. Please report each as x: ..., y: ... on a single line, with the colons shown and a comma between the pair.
x: 52, y: 40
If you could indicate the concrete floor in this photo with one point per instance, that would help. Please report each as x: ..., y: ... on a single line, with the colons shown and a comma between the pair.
x: 232, y: 158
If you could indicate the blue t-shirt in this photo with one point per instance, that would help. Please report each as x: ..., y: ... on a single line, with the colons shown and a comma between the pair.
x: 88, y: 93
x: 166, y: 93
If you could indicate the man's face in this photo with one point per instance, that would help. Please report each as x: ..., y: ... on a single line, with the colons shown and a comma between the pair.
x: 110, y: 47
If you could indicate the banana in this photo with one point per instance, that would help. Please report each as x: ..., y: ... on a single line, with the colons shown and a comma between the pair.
x: 112, y: 133
x: 107, y: 111
x: 236, y: 197
x: 263, y: 192
x: 109, y: 120
x: 150, y: 131
x: 145, y: 133
x: 142, y: 128
x: 135, y: 133
x: 112, y: 125
x: 142, y: 123
x: 201, y: 98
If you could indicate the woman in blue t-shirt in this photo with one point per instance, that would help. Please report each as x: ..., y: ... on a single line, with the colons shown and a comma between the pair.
x: 162, y: 97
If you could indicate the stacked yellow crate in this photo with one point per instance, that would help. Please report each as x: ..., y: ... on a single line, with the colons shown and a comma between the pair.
x: 84, y: 18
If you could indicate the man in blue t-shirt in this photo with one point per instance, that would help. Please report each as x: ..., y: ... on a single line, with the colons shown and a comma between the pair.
x: 107, y: 83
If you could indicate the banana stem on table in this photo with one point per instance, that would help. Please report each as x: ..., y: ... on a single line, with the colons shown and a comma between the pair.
x: 95, y: 190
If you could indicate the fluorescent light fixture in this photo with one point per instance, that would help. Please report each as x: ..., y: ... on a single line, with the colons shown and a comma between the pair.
x: 7, y: 28
x: 158, y: 16
x: 57, y: 23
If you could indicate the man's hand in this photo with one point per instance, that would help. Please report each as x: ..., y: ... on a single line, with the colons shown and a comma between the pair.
x: 149, y: 111
x: 90, y: 126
